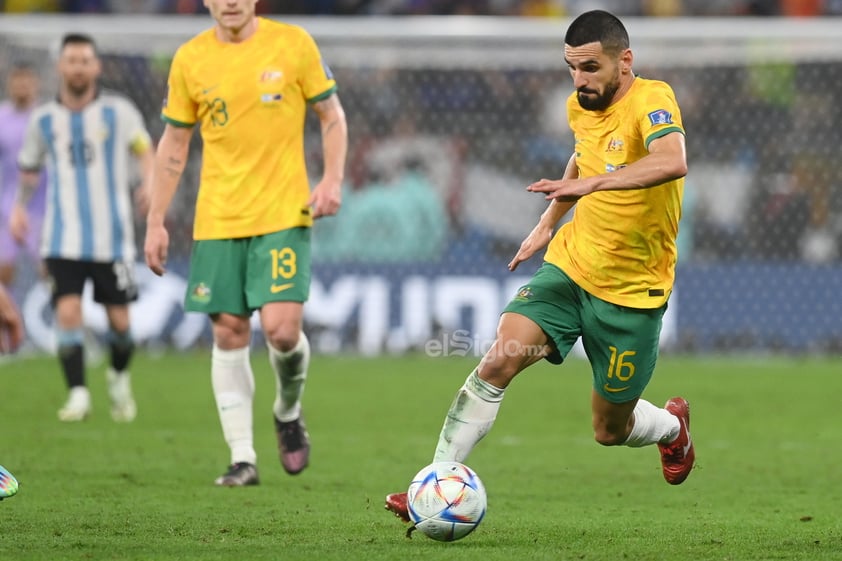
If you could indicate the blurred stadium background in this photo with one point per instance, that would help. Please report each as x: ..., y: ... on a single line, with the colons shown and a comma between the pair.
x: 450, y: 118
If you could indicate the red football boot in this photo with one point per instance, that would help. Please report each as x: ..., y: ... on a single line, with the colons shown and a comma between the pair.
x: 396, y: 502
x: 677, y: 457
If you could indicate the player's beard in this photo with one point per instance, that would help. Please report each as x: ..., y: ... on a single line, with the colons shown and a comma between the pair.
x: 79, y: 88
x: 603, y: 100
x: 21, y: 97
x: 22, y: 102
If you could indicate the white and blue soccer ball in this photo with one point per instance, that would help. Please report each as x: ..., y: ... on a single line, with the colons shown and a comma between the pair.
x: 446, y: 501
x: 8, y: 484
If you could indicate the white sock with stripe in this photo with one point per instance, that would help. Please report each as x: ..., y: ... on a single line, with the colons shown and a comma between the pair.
x: 233, y: 389
x: 470, y: 417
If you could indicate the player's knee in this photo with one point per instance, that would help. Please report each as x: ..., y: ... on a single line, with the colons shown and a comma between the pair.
x: 499, y: 370
x: 68, y: 312
x: 231, y: 332
x: 283, y: 336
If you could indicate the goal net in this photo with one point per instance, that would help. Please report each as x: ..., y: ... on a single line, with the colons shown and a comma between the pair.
x: 450, y: 118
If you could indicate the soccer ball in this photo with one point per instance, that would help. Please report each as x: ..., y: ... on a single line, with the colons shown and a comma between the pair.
x: 446, y: 501
x: 8, y: 484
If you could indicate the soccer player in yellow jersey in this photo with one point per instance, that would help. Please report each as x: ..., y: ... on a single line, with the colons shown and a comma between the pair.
x: 608, y: 273
x: 247, y: 84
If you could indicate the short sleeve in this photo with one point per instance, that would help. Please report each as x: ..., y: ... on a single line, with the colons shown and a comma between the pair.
x: 659, y: 114
x: 34, y: 147
x: 179, y: 109
x: 316, y: 79
x: 138, y: 137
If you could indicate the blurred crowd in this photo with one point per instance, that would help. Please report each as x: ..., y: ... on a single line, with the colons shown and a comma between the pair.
x: 437, y: 151
x: 763, y: 184
x: 535, y: 8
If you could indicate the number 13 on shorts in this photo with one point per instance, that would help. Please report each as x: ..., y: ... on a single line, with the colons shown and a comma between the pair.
x: 285, y: 275
x: 284, y: 264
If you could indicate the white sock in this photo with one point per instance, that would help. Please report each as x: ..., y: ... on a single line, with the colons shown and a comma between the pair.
x: 469, y: 419
x: 233, y: 388
x: 290, y: 374
x: 652, y: 424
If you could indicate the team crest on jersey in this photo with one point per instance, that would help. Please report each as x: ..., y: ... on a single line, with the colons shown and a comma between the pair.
x: 271, y: 75
x: 524, y: 293
x: 615, y: 145
x: 201, y: 293
x: 660, y: 117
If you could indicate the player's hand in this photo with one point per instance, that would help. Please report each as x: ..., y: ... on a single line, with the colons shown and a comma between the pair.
x: 326, y: 198
x: 155, y: 248
x: 563, y: 190
x: 19, y: 223
x: 11, y: 324
x: 537, y: 239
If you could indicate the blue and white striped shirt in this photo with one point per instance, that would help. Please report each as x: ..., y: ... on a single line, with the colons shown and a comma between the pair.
x: 89, y: 213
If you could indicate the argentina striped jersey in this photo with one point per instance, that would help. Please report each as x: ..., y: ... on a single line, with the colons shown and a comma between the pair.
x: 89, y: 214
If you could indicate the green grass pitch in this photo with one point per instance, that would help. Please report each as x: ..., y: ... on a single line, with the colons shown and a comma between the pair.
x: 768, y: 483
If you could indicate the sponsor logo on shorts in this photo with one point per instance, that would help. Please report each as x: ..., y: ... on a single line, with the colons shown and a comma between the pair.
x: 275, y: 288
x: 610, y: 389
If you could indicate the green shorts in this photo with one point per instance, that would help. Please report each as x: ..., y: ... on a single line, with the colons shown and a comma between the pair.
x: 621, y: 343
x: 238, y: 276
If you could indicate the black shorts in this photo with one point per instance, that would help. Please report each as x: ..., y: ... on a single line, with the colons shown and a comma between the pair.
x: 114, y: 283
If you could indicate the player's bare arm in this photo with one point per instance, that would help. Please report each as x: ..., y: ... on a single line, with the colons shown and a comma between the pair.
x: 667, y: 160
x: 168, y: 165
x: 327, y: 195
x: 146, y: 162
x: 19, y: 218
x: 543, y: 232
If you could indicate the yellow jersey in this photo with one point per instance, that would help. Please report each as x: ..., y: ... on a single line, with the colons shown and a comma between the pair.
x: 250, y: 101
x: 620, y: 245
